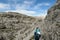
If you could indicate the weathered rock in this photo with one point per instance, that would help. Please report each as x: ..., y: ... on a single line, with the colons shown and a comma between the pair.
x: 52, y: 23
x: 15, y: 26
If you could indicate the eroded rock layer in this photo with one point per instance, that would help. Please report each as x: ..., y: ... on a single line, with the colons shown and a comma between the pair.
x: 52, y: 23
x: 15, y: 26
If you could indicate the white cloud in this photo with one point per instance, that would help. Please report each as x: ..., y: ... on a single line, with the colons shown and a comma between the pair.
x: 4, y: 6
x: 38, y: 6
x: 21, y: 8
x: 30, y: 13
x: 46, y: 4
x: 28, y: 2
x: 26, y: 12
x: 23, y: 5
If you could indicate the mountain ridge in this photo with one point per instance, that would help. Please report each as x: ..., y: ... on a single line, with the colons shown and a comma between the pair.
x: 16, y: 26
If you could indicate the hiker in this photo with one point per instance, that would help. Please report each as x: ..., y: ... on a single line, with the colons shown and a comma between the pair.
x: 37, y: 34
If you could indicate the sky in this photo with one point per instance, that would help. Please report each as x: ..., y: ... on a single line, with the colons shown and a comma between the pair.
x: 28, y: 7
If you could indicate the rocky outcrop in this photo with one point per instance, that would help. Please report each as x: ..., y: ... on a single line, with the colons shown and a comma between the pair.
x: 15, y: 26
x: 52, y: 23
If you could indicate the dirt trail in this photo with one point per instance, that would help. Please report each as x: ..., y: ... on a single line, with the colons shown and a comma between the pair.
x: 29, y: 36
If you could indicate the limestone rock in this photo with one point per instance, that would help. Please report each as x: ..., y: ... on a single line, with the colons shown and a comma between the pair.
x: 52, y: 23
x: 15, y: 26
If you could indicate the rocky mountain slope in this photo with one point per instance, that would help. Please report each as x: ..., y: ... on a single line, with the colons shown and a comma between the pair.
x: 51, y: 23
x: 15, y: 26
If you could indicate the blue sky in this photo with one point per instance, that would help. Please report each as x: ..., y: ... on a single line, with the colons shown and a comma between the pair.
x: 28, y: 7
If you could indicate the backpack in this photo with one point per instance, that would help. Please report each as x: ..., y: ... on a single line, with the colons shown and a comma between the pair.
x: 37, y: 33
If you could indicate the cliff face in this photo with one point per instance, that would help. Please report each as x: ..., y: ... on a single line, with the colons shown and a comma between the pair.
x: 15, y: 26
x: 52, y: 23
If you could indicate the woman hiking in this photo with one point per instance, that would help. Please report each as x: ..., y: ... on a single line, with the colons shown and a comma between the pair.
x: 37, y: 34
